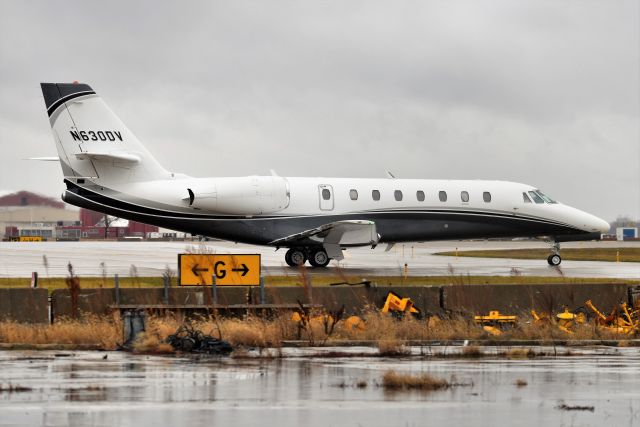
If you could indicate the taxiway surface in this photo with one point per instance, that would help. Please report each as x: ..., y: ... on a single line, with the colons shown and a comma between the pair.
x: 92, y: 258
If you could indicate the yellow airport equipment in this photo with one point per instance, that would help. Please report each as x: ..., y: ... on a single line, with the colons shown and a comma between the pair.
x: 539, y: 317
x: 493, y: 322
x: 620, y: 321
x: 496, y: 317
x: 27, y: 239
x: 567, y: 320
x: 354, y: 323
x: 396, y: 304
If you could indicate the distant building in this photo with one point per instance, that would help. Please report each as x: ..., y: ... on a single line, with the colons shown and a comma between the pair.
x: 28, y: 214
x: 26, y: 198
x: 92, y: 226
x: 625, y: 228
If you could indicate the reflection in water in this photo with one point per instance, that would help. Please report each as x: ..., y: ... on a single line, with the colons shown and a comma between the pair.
x: 140, y: 391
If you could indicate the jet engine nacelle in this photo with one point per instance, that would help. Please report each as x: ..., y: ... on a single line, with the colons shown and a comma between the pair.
x: 251, y: 195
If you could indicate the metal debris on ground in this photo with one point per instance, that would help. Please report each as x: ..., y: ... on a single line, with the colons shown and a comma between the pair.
x: 191, y: 340
x: 568, y: 320
x: 398, y: 306
x: 495, y: 322
x: 326, y: 319
x: 621, y: 320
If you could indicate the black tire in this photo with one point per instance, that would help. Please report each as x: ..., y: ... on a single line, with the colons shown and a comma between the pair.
x: 295, y: 257
x: 319, y: 258
x: 554, y: 260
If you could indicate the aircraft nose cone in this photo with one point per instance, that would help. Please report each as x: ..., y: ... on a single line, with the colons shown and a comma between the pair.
x: 602, y: 225
x: 595, y: 224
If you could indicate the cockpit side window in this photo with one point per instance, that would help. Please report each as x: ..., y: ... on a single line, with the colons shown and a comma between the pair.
x: 545, y: 197
x: 535, y: 197
x: 526, y: 198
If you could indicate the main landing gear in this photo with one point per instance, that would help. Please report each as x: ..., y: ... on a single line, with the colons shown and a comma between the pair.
x: 317, y: 257
x: 555, y: 259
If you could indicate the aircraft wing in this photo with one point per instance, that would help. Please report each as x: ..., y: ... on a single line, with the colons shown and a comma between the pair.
x: 336, y: 234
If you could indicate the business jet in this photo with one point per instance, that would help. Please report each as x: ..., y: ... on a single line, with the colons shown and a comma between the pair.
x: 108, y: 170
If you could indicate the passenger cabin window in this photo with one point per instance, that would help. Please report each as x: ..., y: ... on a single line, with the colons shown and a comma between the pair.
x: 353, y: 194
x: 486, y: 196
x: 420, y: 195
x: 375, y: 195
x: 464, y: 196
x: 398, y: 195
x: 326, y: 194
x: 535, y: 197
x: 526, y: 198
x: 442, y: 195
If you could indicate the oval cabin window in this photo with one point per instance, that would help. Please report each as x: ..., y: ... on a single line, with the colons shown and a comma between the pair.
x: 326, y: 194
x: 442, y: 196
x: 353, y: 194
x: 464, y: 196
x: 375, y: 195
x: 420, y: 195
x: 398, y: 195
x: 486, y: 196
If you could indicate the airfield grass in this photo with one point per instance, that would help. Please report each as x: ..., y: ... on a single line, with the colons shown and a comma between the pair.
x: 299, y: 280
x: 578, y: 254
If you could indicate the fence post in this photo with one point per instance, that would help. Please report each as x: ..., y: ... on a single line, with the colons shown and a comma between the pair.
x: 262, y: 295
x: 116, y: 281
x: 166, y: 289
x: 214, y: 290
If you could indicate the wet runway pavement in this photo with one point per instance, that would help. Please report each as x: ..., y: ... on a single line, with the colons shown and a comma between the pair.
x: 19, y: 259
x: 126, y: 390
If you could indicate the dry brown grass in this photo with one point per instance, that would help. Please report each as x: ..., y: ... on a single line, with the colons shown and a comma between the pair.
x: 106, y: 332
x: 472, y: 351
x: 520, y: 353
x: 389, y: 347
x: 13, y: 388
x: 390, y: 334
x: 150, y: 342
x: 393, y: 380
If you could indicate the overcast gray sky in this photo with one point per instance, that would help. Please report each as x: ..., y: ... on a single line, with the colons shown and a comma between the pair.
x: 545, y: 93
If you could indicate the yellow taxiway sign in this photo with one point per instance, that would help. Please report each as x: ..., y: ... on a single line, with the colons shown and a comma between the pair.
x: 229, y: 269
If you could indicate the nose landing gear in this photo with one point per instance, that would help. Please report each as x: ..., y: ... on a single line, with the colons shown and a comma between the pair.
x: 555, y: 259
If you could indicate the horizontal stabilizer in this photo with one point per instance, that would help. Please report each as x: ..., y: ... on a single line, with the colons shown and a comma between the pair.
x: 45, y: 159
x: 112, y: 156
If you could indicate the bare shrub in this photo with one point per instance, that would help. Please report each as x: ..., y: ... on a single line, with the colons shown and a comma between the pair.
x: 521, y: 383
x: 151, y: 342
x: 520, y: 353
x: 73, y: 284
x: 472, y: 351
x: 389, y: 347
x: 393, y: 380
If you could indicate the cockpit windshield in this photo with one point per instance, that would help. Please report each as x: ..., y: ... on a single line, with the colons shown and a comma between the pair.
x: 535, y: 197
x: 545, y: 197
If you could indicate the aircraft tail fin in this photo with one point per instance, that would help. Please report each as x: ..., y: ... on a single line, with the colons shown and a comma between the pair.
x: 92, y: 142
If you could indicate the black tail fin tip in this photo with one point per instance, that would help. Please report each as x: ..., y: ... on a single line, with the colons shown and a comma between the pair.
x: 57, y: 93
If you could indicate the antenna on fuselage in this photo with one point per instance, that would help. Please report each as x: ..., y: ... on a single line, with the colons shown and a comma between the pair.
x: 390, y: 175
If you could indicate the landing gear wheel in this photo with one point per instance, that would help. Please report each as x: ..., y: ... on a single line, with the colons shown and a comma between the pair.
x: 319, y: 258
x: 554, y: 260
x: 295, y: 257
